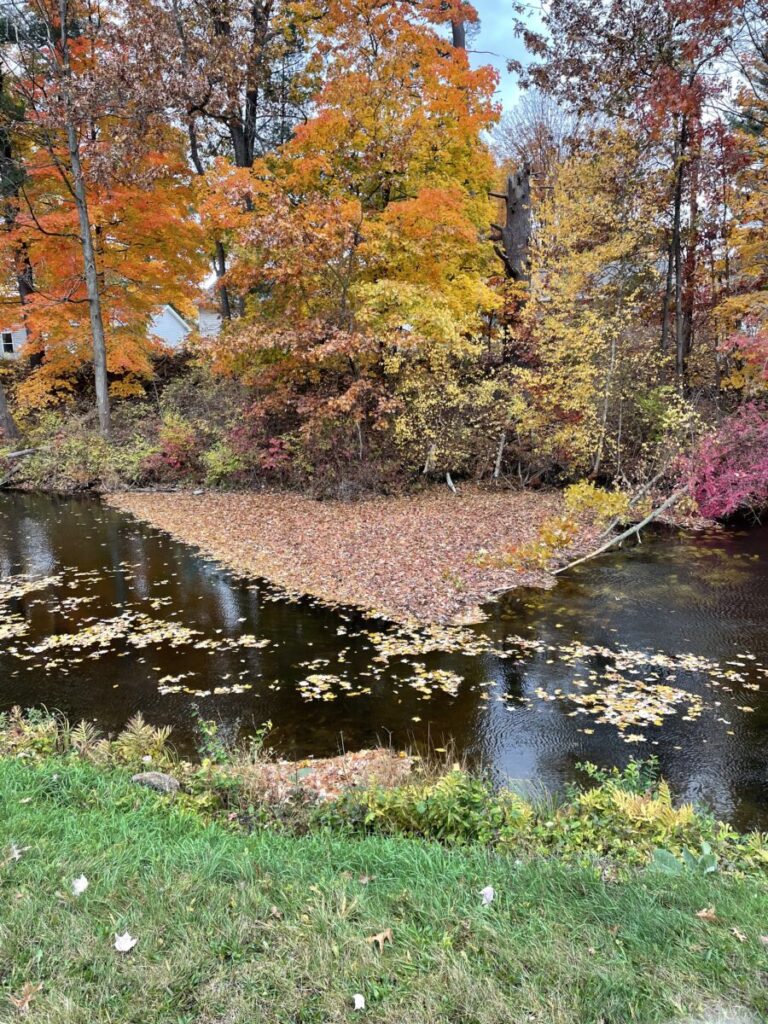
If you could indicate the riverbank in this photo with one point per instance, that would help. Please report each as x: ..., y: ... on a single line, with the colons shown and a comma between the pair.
x: 406, y: 558
x: 235, y: 918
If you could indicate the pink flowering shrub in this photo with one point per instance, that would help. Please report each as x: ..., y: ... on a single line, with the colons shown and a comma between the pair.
x: 728, y: 471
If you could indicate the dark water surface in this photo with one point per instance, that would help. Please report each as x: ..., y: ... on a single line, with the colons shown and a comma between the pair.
x: 96, y: 612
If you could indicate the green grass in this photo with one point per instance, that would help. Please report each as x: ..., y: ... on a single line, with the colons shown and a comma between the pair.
x: 558, y: 945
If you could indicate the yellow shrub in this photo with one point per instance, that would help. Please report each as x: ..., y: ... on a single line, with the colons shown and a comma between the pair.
x: 586, y: 497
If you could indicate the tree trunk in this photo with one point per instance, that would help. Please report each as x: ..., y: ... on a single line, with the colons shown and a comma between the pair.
x: 500, y: 455
x: 514, y: 235
x: 459, y: 35
x: 677, y: 250
x: 220, y: 264
x: 220, y: 256
x: 606, y: 408
x: 7, y: 422
x: 689, y: 273
x: 86, y: 239
x: 667, y: 299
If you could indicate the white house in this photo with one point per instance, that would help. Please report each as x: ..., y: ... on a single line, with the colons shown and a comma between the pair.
x: 12, y: 342
x: 167, y: 324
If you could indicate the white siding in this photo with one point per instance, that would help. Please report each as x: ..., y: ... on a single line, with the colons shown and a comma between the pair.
x: 166, y: 325
x: 18, y: 337
x: 208, y: 323
x: 169, y: 327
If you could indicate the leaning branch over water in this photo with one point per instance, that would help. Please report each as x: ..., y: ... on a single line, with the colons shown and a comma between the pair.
x: 634, y: 529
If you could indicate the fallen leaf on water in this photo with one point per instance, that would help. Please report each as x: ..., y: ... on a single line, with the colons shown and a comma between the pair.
x: 378, y: 940
x: 707, y: 914
x: 402, y: 556
x: 124, y: 943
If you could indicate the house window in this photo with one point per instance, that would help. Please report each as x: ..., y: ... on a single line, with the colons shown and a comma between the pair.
x: 7, y: 342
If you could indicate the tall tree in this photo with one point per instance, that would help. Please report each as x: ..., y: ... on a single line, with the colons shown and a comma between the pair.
x: 53, y: 62
x: 655, y: 64
x: 362, y: 253
x: 104, y: 209
x: 234, y: 72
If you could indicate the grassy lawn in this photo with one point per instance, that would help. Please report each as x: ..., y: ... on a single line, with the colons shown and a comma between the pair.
x: 267, y: 927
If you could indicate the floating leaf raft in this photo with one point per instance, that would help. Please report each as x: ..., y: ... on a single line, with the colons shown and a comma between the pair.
x: 637, y: 704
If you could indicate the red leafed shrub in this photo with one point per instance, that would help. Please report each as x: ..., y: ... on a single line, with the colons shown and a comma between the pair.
x: 750, y: 345
x: 728, y: 471
x: 178, y: 457
x: 275, y: 456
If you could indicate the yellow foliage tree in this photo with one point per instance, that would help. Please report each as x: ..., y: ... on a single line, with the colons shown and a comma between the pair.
x: 591, y: 265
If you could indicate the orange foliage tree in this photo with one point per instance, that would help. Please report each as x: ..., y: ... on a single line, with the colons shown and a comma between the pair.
x: 103, y: 204
x: 148, y: 253
x: 360, y: 243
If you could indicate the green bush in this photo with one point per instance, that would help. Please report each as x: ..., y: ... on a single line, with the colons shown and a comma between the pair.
x: 622, y: 819
x: 71, y: 455
x: 222, y: 464
x: 457, y: 809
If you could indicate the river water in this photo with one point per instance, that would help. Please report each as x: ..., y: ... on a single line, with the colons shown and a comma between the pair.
x: 660, y: 649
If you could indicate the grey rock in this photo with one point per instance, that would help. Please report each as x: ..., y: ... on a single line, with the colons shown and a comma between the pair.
x: 157, y: 780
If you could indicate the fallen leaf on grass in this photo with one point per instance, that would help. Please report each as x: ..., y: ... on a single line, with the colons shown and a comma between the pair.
x: 276, y: 913
x: 764, y: 939
x: 488, y: 895
x: 124, y: 943
x: 367, y: 879
x: 378, y: 940
x: 28, y: 993
x: 739, y: 934
x: 707, y: 914
x: 80, y: 885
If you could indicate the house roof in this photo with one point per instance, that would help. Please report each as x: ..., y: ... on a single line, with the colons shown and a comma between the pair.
x: 182, y: 319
